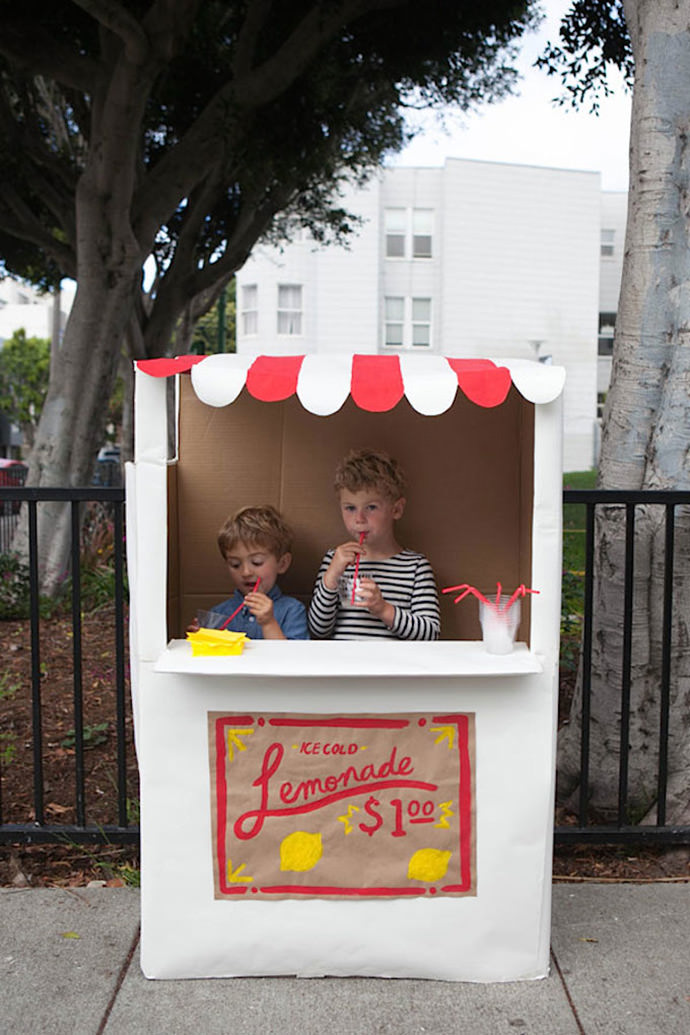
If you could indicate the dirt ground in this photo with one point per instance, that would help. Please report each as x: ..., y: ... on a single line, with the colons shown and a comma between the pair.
x: 69, y: 865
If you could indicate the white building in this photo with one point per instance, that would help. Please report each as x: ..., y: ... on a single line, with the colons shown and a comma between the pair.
x: 23, y: 306
x: 614, y: 211
x: 471, y: 259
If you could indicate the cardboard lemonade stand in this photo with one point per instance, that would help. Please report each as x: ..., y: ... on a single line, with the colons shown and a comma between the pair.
x: 362, y: 807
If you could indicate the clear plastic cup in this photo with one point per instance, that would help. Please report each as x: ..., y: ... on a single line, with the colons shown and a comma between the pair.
x: 499, y: 626
x: 345, y: 587
x: 210, y: 619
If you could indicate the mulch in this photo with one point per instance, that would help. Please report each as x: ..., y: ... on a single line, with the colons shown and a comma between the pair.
x: 66, y: 864
x: 73, y: 865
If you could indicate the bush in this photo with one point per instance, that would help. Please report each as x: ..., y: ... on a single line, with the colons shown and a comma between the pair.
x: 15, y: 591
x: 14, y: 587
x: 97, y: 574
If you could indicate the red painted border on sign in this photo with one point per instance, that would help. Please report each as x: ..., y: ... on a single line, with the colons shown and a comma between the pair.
x: 353, y: 724
x: 465, y: 798
x: 464, y: 801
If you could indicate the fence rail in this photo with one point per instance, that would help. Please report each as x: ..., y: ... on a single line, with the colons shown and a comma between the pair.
x: 123, y: 831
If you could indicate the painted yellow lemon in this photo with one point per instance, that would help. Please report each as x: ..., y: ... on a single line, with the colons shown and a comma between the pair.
x: 428, y: 864
x: 300, y: 851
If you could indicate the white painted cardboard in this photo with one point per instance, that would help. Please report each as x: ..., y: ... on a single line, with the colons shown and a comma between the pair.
x: 502, y: 933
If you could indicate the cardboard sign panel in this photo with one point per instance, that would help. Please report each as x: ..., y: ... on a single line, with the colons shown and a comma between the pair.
x: 342, y: 806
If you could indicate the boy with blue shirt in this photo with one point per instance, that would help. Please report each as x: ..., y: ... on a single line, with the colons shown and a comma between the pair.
x: 255, y: 543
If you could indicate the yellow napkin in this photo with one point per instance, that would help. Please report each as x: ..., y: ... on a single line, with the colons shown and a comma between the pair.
x: 215, y: 642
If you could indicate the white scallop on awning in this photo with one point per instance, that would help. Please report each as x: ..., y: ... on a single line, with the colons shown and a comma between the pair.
x: 322, y: 382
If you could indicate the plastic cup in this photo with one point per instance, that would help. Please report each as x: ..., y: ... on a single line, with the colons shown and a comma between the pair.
x: 499, y: 627
x: 210, y: 619
x: 345, y: 586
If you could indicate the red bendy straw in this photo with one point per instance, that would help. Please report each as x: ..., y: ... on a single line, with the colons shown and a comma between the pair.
x: 362, y: 537
x: 238, y: 609
x: 465, y: 587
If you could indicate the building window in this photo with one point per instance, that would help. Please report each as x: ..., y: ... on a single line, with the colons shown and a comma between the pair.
x: 395, y: 322
x: 607, y: 327
x: 250, y: 309
x: 409, y: 233
x: 601, y: 402
x: 290, y: 309
x: 422, y: 229
x: 421, y: 322
x: 407, y: 323
x: 607, y: 243
x: 396, y: 227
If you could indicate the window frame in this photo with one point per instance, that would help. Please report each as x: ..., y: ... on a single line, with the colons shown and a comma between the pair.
x: 290, y: 313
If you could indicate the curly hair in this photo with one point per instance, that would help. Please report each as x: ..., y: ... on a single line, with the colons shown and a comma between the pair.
x: 366, y: 468
x: 262, y: 526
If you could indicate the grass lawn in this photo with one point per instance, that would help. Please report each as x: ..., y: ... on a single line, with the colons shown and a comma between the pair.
x: 574, y: 521
x: 572, y: 595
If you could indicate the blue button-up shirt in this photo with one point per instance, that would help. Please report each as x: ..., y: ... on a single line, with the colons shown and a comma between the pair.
x: 290, y: 615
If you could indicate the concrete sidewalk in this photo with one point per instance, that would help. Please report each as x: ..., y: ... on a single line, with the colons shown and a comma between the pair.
x: 69, y: 963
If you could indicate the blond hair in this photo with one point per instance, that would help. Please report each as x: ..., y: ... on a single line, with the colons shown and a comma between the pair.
x: 260, y: 526
x: 369, y: 468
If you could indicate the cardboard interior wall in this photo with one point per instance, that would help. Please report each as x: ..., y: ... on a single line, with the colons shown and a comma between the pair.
x: 470, y: 495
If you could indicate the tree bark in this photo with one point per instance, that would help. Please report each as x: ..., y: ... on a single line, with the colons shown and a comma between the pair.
x: 646, y: 441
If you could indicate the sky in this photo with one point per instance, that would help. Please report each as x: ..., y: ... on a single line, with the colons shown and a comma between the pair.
x: 529, y: 129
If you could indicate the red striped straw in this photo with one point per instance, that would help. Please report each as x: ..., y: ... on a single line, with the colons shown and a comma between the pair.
x: 362, y: 536
x: 238, y: 609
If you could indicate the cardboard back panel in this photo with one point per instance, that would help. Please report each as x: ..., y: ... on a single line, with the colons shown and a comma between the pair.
x: 469, y: 501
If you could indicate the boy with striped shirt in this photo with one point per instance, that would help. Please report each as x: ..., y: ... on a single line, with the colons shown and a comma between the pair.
x: 395, y: 595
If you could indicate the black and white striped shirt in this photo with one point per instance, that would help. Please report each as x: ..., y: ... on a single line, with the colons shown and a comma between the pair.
x: 405, y: 580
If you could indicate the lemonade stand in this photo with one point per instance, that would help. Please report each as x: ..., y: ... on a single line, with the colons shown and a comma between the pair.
x: 346, y: 808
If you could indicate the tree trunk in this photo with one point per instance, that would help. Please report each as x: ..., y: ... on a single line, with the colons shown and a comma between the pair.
x: 645, y: 440
x: 73, y: 417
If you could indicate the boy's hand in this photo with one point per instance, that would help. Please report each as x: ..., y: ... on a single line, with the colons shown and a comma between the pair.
x: 193, y: 626
x: 343, y: 557
x: 261, y: 607
x: 369, y: 595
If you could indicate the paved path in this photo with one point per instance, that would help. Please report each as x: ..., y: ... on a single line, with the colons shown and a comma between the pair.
x: 620, y: 966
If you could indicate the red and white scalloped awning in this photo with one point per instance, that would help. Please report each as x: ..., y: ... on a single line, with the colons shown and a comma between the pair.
x: 322, y: 382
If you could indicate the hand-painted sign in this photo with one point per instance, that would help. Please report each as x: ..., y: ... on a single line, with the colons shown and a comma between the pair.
x: 342, y: 806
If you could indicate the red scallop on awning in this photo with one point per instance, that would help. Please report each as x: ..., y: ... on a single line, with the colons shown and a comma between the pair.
x: 481, y: 380
x: 376, y: 383
x: 273, y: 378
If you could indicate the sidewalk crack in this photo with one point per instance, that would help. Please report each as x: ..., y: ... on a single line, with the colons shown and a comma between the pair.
x: 120, y: 978
x: 568, y: 996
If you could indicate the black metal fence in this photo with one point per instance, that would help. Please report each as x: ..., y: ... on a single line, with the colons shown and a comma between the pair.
x: 41, y: 829
x: 619, y: 831
x: 12, y: 476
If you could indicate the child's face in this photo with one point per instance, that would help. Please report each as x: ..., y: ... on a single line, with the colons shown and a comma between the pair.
x: 249, y: 561
x: 369, y: 510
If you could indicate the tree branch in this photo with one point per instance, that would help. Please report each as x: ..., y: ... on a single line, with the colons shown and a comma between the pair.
x: 24, y: 44
x: 273, y: 77
x: 176, y: 174
x: 17, y: 219
x: 257, y: 14
x: 116, y: 19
